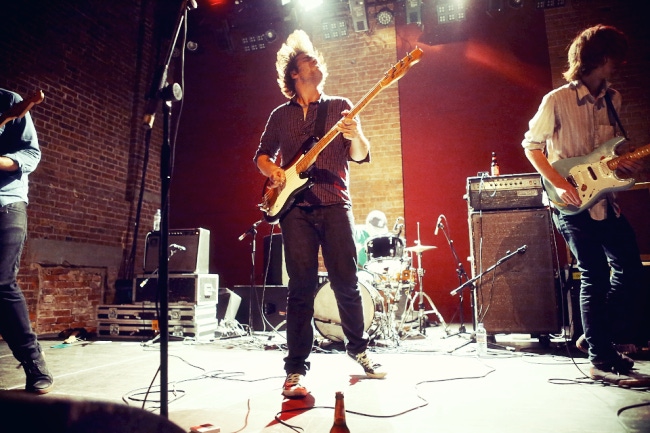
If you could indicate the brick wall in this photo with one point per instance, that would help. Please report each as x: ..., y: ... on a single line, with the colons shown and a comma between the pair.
x: 93, y: 60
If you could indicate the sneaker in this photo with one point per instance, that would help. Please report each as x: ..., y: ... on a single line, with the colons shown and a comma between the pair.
x: 292, y: 387
x: 608, y: 374
x: 372, y: 369
x: 39, y: 380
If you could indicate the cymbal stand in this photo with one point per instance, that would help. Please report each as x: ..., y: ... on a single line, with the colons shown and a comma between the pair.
x: 421, y: 294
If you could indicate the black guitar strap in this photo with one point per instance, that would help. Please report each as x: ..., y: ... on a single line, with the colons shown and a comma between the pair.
x: 610, y: 107
x: 321, y: 117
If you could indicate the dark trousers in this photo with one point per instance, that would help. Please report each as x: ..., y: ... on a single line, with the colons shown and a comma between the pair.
x: 609, y: 260
x: 304, y: 230
x: 15, y: 326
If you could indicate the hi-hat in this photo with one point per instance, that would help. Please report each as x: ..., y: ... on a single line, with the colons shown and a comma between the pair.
x: 419, y: 248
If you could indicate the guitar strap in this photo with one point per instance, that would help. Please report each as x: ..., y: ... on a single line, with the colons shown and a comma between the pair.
x: 612, y: 110
x: 321, y: 117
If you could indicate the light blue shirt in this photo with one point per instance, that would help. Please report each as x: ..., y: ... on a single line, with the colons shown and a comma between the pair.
x: 19, y: 142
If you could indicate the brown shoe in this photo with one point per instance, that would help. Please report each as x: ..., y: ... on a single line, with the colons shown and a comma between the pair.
x: 629, y: 380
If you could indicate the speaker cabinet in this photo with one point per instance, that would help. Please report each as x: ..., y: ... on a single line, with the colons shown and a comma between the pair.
x: 275, y: 269
x: 521, y: 294
x: 189, y: 249
x: 268, y: 302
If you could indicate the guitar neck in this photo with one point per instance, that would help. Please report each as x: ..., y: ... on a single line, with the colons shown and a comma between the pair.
x: 312, y: 154
x: 639, y: 153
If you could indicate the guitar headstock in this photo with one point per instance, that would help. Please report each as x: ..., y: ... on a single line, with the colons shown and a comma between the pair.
x: 400, y: 68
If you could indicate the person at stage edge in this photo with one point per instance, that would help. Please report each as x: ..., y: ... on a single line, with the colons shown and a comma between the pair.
x: 20, y: 155
x: 321, y: 215
x: 572, y: 121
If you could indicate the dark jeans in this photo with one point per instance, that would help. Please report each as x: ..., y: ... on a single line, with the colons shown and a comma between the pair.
x: 609, y: 260
x: 303, y: 231
x: 15, y: 326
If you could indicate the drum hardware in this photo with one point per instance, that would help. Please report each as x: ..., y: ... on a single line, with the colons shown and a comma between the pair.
x: 418, y: 249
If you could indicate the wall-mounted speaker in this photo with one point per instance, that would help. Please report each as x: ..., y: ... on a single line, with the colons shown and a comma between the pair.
x: 188, y: 252
x: 521, y: 294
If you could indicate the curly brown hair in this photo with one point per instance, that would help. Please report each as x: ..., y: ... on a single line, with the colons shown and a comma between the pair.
x: 591, y: 49
x: 298, y: 42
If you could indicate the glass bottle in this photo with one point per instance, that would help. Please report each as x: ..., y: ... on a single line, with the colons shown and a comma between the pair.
x: 494, y: 166
x: 339, y: 425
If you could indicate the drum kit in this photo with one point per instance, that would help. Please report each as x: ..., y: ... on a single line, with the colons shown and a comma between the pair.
x: 387, y: 283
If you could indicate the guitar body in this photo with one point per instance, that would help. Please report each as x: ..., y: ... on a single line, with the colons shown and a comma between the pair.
x: 277, y: 201
x: 592, y: 176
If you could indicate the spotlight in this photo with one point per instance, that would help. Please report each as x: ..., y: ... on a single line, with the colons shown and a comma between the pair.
x: 516, y: 4
x: 192, y: 46
x: 385, y: 16
x: 270, y: 36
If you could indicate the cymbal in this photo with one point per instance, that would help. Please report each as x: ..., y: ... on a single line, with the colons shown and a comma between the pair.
x: 419, y: 248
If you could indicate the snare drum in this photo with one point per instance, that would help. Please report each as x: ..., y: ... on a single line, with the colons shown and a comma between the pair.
x: 326, y: 311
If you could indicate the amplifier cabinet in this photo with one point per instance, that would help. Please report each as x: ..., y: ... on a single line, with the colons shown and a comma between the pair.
x: 262, y: 308
x: 521, y: 294
x: 517, y: 191
x: 182, y: 288
x: 141, y: 321
x: 188, y: 252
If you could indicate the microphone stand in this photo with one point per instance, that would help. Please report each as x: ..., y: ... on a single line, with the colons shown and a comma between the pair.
x: 161, y: 90
x: 471, y: 284
x: 460, y: 271
x: 253, y: 232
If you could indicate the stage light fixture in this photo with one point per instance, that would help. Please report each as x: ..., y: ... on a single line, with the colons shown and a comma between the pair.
x: 334, y: 28
x: 385, y: 16
x: 548, y: 4
x: 516, y: 4
x: 451, y: 11
x: 192, y: 46
x: 359, y: 17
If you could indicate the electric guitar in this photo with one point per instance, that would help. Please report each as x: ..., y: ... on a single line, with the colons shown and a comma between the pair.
x: 20, y: 109
x: 277, y: 201
x: 593, y: 175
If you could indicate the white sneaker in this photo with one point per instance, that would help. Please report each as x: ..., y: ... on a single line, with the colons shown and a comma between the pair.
x: 292, y: 387
x: 373, y: 369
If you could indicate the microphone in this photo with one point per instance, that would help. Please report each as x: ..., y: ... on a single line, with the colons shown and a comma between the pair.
x: 438, y: 224
x: 178, y: 247
x: 396, y: 226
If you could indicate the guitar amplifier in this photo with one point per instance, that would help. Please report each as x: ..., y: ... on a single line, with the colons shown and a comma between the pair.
x: 189, y: 251
x: 514, y: 191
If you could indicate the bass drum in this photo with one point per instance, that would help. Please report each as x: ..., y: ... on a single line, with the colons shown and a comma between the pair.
x: 326, y: 312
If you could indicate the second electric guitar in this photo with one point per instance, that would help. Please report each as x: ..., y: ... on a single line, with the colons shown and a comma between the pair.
x: 593, y: 175
x: 277, y: 201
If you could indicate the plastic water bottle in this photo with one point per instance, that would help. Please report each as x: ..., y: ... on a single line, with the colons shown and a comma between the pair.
x: 481, y: 340
x: 156, y: 221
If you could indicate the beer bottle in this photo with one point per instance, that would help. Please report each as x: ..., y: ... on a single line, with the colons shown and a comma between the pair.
x: 339, y: 425
x: 494, y: 167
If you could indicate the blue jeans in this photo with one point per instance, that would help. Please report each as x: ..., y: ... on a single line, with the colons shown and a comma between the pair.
x: 303, y: 231
x: 15, y: 326
x: 608, y: 258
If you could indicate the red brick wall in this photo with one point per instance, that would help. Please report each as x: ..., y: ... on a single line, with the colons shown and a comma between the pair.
x: 93, y: 60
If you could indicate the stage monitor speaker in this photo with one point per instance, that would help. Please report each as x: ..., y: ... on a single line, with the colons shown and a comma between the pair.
x: 275, y: 269
x: 190, y: 248
x: 521, y: 294
x: 269, y: 301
